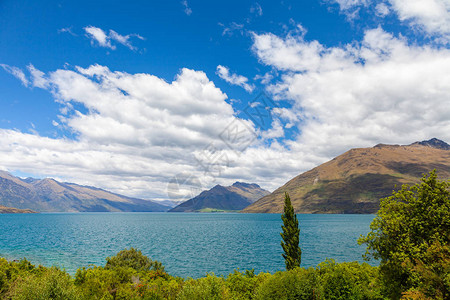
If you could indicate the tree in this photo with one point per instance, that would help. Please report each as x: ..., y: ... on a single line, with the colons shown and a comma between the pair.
x: 291, y: 232
x: 410, y: 235
x: 134, y: 259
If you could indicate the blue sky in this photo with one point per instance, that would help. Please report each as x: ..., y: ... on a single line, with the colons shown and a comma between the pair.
x: 139, y: 98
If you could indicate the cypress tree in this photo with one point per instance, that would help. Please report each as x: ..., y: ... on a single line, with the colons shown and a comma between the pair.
x: 290, y: 235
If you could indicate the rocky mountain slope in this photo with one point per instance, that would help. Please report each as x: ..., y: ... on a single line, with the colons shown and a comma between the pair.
x: 49, y: 195
x: 355, y: 181
x: 221, y: 198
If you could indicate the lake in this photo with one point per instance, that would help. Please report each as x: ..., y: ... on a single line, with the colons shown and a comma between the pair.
x: 188, y: 244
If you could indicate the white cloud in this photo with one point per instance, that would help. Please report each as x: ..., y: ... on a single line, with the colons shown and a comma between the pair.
x: 37, y: 77
x: 382, y: 10
x: 293, y: 53
x: 16, y: 72
x: 378, y: 90
x: 187, y: 9
x: 99, y: 37
x: 265, y: 79
x: 431, y: 16
x: 231, y: 28
x: 137, y: 133
x: 256, y: 9
x: 67, y: 30
x: 234, y: 79
x: 348, y: 4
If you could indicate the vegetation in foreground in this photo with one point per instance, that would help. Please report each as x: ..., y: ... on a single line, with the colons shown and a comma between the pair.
x: 410, y: 236
x: 131, y: 275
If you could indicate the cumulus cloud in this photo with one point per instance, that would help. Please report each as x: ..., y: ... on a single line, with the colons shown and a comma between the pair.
x: 382, y: 10
x: 234, y: 79
x: 293, y: 53
x: 102, y: 39
x: 137, y: 132
x: 379, y: 89
x: 430, y: 16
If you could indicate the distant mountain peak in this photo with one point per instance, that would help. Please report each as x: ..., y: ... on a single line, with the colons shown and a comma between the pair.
x: 49, y: 194
x: 245, y: 185
x: 223, y: 198
x: 434, y: 143
x: 355, y: 181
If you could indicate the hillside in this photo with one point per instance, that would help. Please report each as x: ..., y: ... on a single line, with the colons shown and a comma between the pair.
x: 49, y: 195
x: 221, y: 198
x: 355, y: 181
x: 13, y: 210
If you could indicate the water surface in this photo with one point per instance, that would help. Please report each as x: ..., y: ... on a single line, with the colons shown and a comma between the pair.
x: 188, y: 244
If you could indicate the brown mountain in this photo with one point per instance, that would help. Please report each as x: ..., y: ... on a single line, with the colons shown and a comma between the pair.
x: 49, y: 195
x: 13, y: 210
x: 355, y: 181
x: 223, y: 198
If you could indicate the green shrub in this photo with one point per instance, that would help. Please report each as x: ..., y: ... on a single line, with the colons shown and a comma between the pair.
x: 298, y: 283
x: 243, y: 285
x: 134, y: 259
x: 10, y: 271
x: 97, y: 283
x: 210, y: 287
x: 51, y: 284
x: 348, y: 281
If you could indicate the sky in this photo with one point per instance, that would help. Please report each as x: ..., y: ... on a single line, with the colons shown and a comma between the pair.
x: 162, y: 99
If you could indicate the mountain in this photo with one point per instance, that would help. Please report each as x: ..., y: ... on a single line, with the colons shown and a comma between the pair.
x: 355, y: 181
x: 12, y: 210
x: 49, y: 195
x: 223, y: 198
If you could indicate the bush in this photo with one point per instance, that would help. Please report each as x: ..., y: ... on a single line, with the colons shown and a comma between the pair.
x: 10, y: 271
x: 298, y: 283
x: 243, y: 285
x: 348, y: 281
x: 51, y: 284
x: 134, y: 259
x: 210, y: 287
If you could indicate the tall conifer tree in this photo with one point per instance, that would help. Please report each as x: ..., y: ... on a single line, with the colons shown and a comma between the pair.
x: 291, y: 235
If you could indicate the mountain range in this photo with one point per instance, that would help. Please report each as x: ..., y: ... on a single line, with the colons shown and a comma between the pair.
x: 355, y: 181
x: 49, y: 195
x: 223, y: 198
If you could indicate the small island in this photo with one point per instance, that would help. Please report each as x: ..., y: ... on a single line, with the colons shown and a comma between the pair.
x: 13, y: 210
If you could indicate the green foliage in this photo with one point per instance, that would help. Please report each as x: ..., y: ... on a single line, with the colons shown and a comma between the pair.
x: 51, y: 283
x: 352, y: 281
x: 298, y: 283
x: 128, y: 275
x: 410, y: 235
x: 242, y: 286
x: 134, y: 259
x: 22, y: 280
x: 209, y: 287
x: 290, y: 235
x: 10, y: 271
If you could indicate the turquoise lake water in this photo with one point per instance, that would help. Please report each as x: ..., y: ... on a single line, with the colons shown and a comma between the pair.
x: 188, y: 244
